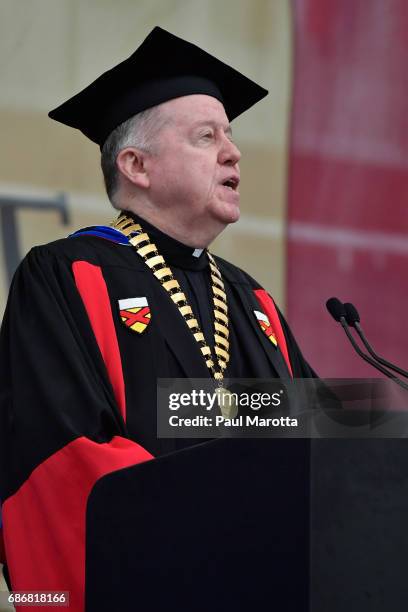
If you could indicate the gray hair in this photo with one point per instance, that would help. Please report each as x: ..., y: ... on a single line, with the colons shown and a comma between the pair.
x: 140, y: 132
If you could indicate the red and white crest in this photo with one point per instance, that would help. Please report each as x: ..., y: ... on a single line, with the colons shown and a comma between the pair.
x: 135, y: 313
x: 266, y: 326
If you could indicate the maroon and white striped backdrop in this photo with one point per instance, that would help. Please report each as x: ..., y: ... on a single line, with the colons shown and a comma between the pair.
x: 348, y: 178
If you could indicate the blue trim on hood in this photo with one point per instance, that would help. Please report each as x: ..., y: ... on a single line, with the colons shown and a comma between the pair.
x: 102, y: 231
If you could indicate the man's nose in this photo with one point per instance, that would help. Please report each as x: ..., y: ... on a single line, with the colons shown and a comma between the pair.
x: 229, y: 153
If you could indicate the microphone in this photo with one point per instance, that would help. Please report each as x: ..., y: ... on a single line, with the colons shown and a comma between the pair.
x: 353, y: 319
x: 336, y: 309
x: 338, y: 312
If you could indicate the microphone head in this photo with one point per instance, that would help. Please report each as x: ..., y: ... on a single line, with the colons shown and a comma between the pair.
x: 335, y: 308
x: 352, y: 315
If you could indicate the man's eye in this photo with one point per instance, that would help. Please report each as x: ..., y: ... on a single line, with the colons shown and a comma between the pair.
x: 207, y: 135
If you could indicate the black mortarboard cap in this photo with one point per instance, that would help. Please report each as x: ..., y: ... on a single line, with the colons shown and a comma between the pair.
x: 162, y: 68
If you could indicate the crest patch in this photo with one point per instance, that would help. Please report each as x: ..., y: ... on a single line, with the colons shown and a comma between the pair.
x: 266, y: 326
x: 135, y: 313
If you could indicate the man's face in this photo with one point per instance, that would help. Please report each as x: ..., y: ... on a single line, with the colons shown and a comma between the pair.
x: 194, y: 171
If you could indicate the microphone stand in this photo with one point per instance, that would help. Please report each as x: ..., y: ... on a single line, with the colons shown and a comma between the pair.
x: 368, y: 359
x: 353, y: 319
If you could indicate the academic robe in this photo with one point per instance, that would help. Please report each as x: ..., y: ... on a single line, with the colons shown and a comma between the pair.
x: 78, y: 387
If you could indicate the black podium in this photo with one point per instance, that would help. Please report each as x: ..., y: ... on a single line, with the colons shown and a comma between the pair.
x: 220, y: 526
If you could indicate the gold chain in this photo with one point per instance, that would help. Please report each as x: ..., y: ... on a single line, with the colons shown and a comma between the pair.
x: 146, y: 249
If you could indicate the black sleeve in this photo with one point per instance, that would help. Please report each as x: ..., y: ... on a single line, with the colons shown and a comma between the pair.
x: 54, y: 386
x: 60, y: 427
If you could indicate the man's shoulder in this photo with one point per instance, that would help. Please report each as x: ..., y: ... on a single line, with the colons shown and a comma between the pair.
x: 86, y: 245
x: 234, y: 274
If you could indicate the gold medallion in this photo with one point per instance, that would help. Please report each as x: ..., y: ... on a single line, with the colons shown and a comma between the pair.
x: 227, y: 403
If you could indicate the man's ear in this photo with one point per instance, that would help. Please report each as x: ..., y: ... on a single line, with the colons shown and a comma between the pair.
x: 130, y: 163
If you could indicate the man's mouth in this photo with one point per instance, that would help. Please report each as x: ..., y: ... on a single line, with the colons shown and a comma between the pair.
x: 232, y: 183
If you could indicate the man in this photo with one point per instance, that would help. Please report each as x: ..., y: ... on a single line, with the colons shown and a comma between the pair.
x: 93, y: 320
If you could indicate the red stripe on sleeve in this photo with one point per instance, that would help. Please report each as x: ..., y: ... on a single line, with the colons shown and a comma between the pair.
x: 44, y: 522
x: 269, y: 308
x: 93, y: 291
